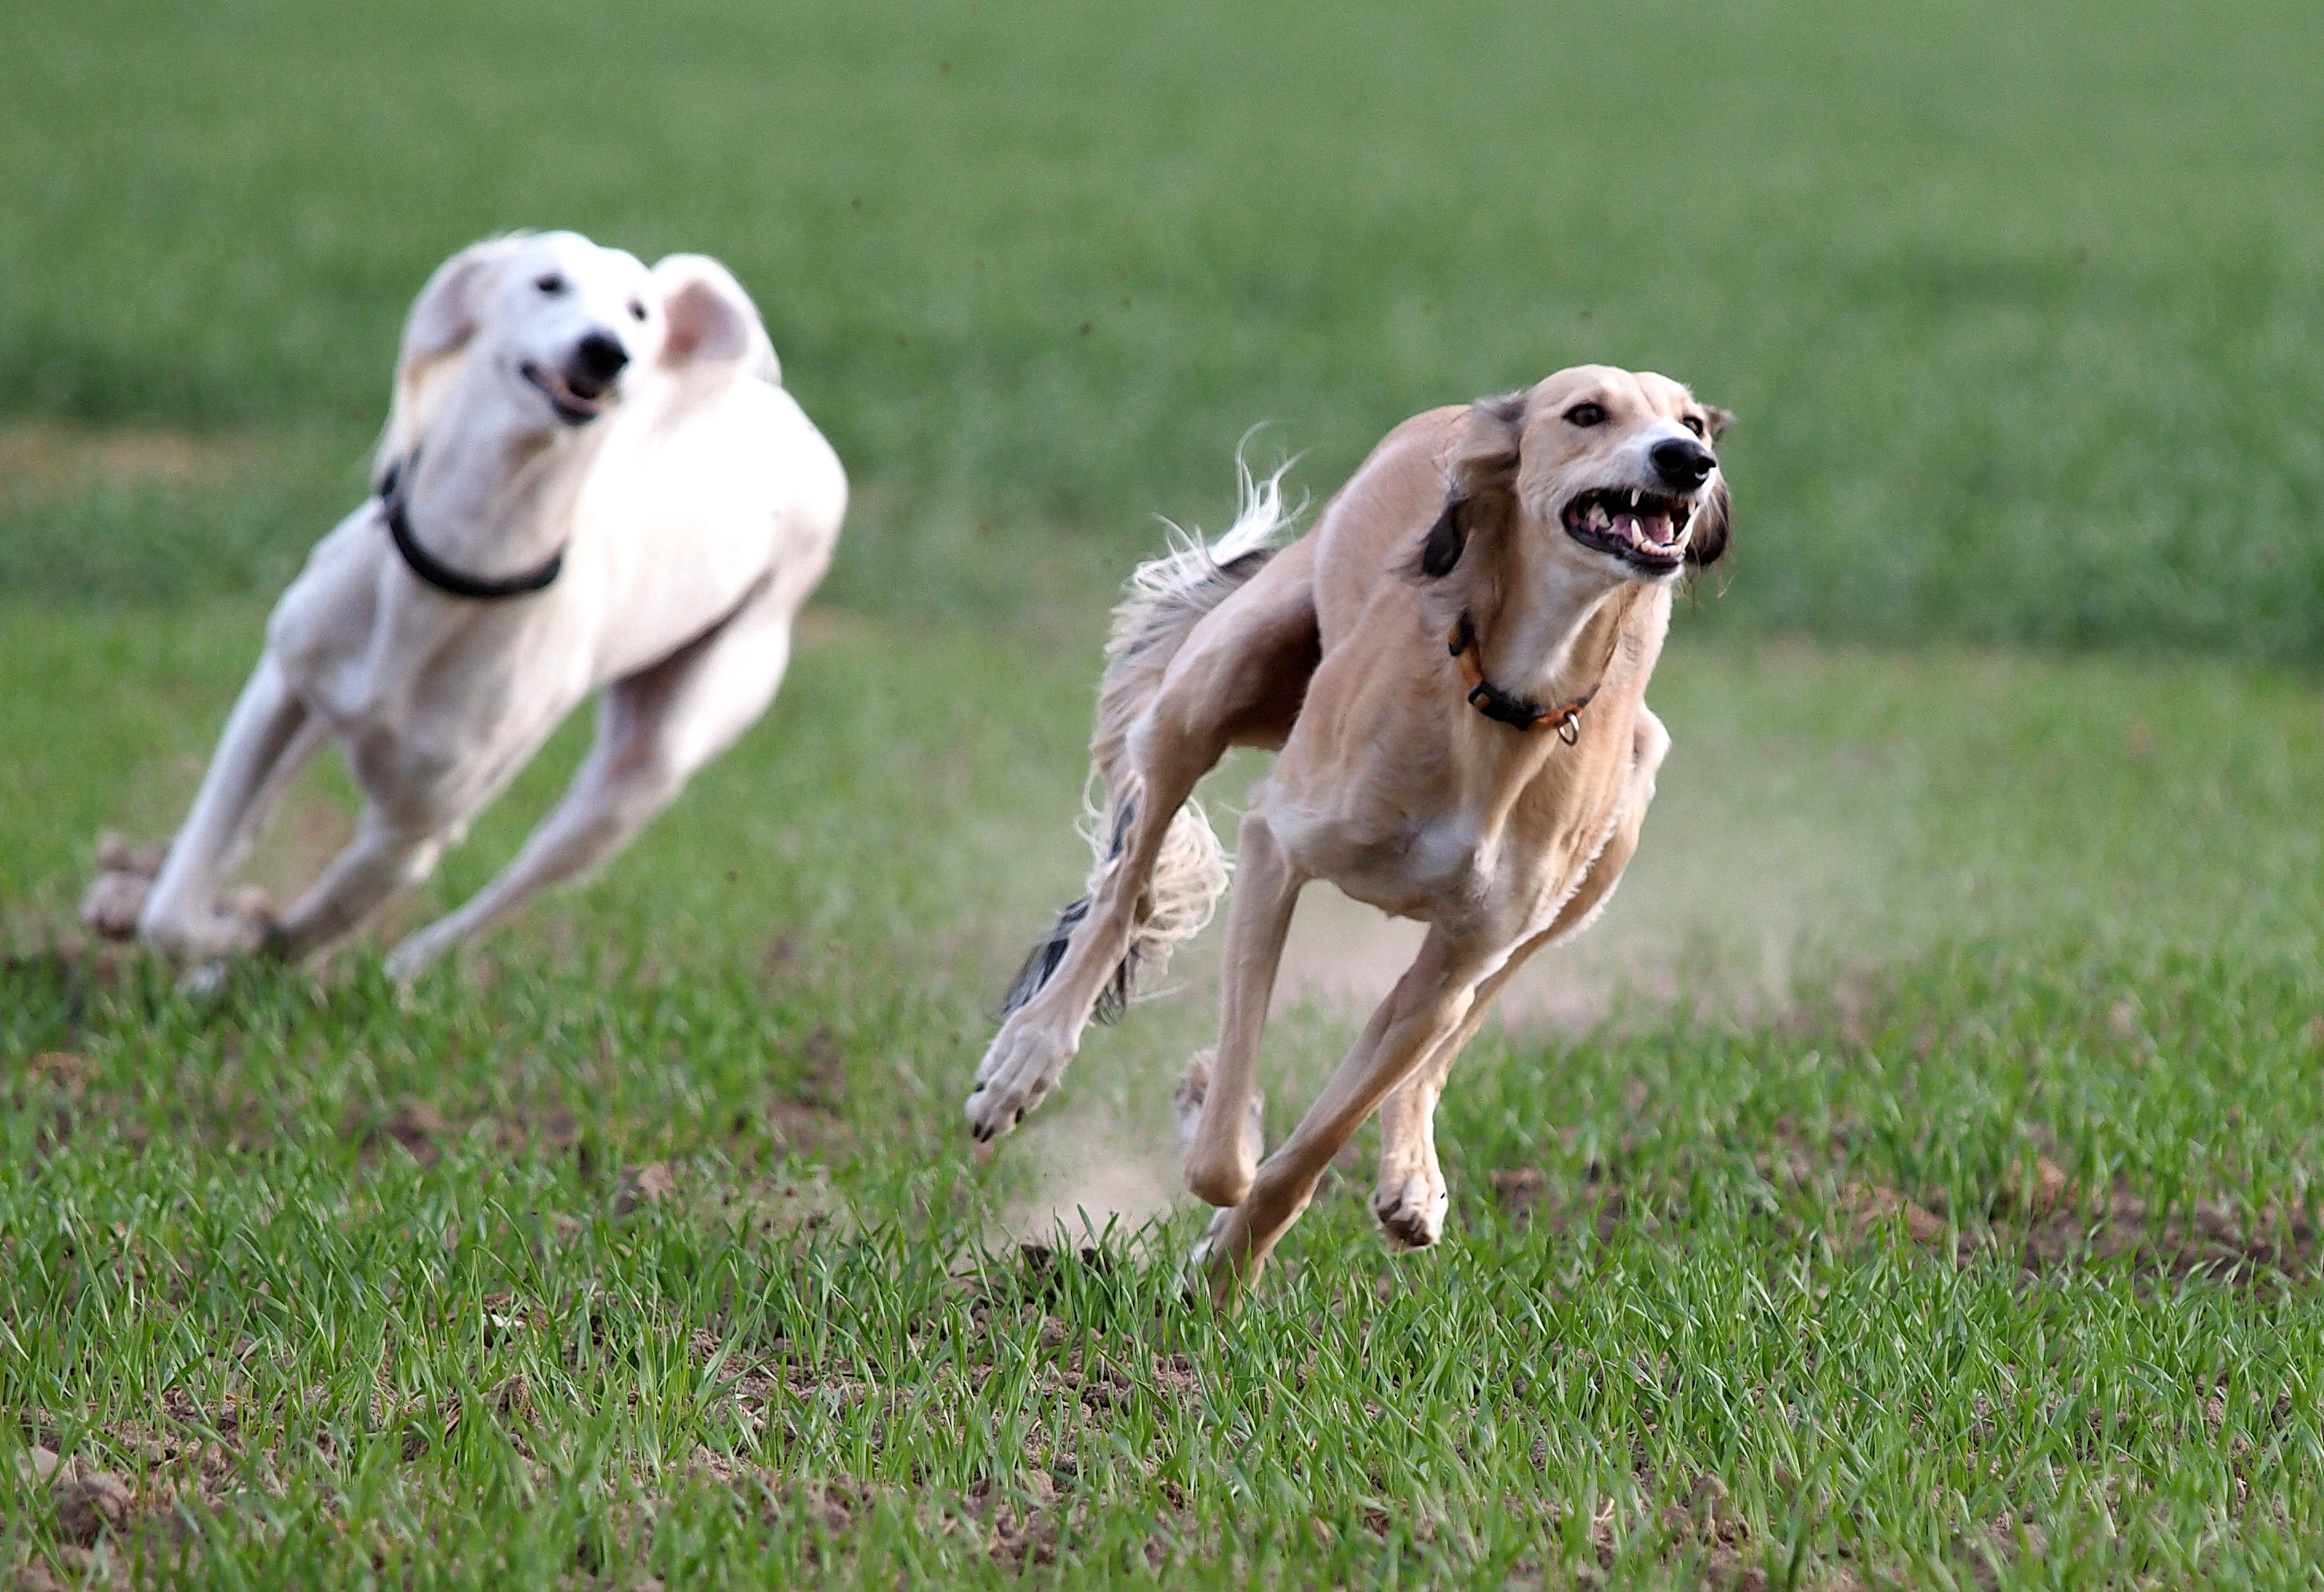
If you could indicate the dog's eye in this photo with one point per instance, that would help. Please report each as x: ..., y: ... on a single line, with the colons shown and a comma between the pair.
x: 550, y: 283
x: 1586, y: 415
x: 637, y: 310
x: 1694, y: 423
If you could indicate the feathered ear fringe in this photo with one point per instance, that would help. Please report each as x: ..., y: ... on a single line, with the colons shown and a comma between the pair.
x: 1441, y: 549
x: 1481, y: 489
x: 1714, y: 523
x: 435, y: 333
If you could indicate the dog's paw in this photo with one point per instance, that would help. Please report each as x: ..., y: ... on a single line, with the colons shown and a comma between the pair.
x: 238, y: 925
x: 205, y: 980
x: 407, y: 961
x: 250, y: 913
x: 1198, y: 1262
x: 124, y: 877
x: 1411, y: 1212
x: 1187, y: 1099
x: 1018, y: 1073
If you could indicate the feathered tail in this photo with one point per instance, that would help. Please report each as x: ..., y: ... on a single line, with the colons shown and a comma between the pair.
x: 1163, y: 602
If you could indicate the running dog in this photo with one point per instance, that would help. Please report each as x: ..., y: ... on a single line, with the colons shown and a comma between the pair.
x: 1452, y: 667
x: 591, y: 478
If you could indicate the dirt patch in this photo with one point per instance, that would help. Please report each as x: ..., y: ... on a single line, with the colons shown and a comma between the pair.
x: 2036, y: 1215
x: 1020, y: 1519
x: 2044, y: 1221
x: 47, y: 457
x: 651, y: 1184
x: 2208, y: 1239
x: 1519, y: 1192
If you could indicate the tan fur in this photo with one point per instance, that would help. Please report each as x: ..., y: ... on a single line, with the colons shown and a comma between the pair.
x: 1388, y: 783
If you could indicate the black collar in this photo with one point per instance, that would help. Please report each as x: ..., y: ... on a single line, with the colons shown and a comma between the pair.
x: 1504, y: 707
x: 393, y: 491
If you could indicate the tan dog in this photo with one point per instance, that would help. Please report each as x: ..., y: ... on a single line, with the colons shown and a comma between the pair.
x: 1453, y: 666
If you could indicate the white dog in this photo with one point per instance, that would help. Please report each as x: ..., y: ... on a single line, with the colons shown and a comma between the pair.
x: 591, y: 477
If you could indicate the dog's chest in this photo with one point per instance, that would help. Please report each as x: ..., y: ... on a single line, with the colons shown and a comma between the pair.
x: 1448, y: 868
x: 1461, y: 866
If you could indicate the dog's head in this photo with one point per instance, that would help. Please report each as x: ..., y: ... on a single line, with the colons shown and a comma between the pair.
x: 1609, y: 473
x: 557, y: 327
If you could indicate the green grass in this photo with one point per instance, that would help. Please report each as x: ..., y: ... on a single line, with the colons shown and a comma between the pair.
x: 341, y: 1284
x: 2017, y: 304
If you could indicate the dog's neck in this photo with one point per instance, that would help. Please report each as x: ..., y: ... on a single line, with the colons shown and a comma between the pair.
x: 1546, y: 633
x: 489, y: 487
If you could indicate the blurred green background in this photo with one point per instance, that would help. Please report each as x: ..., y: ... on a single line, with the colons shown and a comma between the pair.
x: 2017, y: 304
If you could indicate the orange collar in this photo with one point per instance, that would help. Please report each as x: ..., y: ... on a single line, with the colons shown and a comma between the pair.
x: 1500, y: 705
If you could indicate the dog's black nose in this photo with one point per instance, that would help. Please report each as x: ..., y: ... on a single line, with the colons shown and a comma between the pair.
x: 1682, y: 461
x: 601, y: 357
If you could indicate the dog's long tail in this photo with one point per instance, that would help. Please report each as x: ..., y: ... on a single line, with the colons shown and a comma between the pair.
x: 1164, y: 601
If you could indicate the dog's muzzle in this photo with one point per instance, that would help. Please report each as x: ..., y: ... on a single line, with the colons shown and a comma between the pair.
x: 1645, y: 529
x: 584, y: 389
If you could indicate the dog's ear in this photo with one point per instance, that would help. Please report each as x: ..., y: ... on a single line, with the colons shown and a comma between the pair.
x: 710, y: 319
x: 444, y: 317
x: 1714, y: 522
x: 442, y: 320
x: 1481, y: 481
x: 1719, y: 419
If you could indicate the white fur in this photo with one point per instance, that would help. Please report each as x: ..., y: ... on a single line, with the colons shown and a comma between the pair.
x: 696, y: 512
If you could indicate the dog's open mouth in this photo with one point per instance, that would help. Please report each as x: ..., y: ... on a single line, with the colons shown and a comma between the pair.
x: 576, y: 399
x: 1647, y: 529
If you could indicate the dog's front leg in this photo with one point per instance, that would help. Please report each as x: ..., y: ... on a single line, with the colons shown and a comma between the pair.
x: 1223, y: 1153
x: 385, y: 857
x: 1409, y: 1198
x: 1425, y: 1009
x: 655, y: 729
x: 269, y: 726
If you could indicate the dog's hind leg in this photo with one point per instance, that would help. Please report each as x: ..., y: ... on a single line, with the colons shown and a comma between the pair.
x: 655, y: 729
x: 386, y: 858
x: 1237, y: 679
x: 269, y: 736
x: 1030, y: 1053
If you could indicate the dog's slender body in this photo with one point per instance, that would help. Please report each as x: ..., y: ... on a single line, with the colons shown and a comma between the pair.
x: 560, y: 411
x: 1516, y: 556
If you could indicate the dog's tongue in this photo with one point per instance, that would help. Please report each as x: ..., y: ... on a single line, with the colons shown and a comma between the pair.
x: 1645, y: 529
